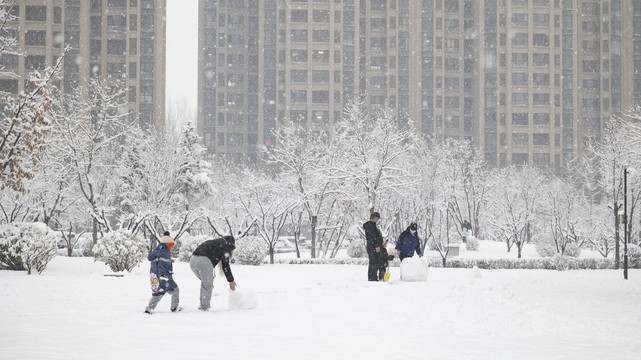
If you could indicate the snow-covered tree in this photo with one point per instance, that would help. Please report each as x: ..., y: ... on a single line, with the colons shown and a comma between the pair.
x: 305, y: 159
x: 92, y: 124
x: 268, y: 206
x: 371, y: 147
x: 515, y: 204
x: 24, y: 131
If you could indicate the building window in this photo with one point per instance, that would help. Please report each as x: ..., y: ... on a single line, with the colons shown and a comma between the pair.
x: 320, y: 97
x: 116, y: 47
x: 591, y: 66
x: 451, y: 64
x: 519, y: 59
x: 520, y: 39
x: 320, y: 56
x: 299, y: 16
x: 147, y: 70
x: 320, y: 76
x: 540, y: 40
x: 320, y: 36
x: 519, y: 19
x: 147, y: 22
x: 115, y: 70
x: 541, y: 20
x: 35, y: 62
x: 519, y: 99
x: 541, y: 159
x: 35, y: 13
x: 298, y: 96
x: 298, y: 55
x: 378, y: 43
x: 320, y: 16
x: 298, y: 116
x: 116, y: 22
x: 520, y: 139
x: 299, y: 76
x: 541, y: 79
x: 146, y: 46
x: 520, y: 79
x: 117, y: 3
x: 298, y: 35
x: 541, y: 119
x: 541, y: 59
x: 35, y: 38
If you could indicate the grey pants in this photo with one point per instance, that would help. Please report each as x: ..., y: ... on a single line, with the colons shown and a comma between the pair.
x: 156, y: 299
x: 204, y: 270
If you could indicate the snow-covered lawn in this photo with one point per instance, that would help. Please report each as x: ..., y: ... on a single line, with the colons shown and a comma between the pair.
x: 73, y: 311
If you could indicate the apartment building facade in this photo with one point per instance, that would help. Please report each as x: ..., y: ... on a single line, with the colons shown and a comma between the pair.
x: 527, y: 81
x: 119, y: 40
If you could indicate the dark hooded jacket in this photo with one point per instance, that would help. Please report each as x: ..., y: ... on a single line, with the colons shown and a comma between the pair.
x: 218, y: 250
x: 373, y: 237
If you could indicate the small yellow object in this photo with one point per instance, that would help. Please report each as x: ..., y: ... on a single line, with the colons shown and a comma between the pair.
x: 154, y: 281
x: 386, y: 276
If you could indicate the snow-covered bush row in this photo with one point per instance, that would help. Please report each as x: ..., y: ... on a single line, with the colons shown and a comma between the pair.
x: 188, y: 244
x: 120, y: 250
x: 356, y: 249
x: 26, y: 246
x: 250, y: 250
x: 549, y: 263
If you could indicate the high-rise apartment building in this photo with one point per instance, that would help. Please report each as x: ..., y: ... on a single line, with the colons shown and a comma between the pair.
x: 528, y: 81
x: 112, y: 39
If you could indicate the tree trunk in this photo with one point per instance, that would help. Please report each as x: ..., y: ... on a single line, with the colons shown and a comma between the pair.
x: 314, y: 222
x: 94, y: 230
x: 271, y: 254
x: 617, y: 262
x: 444, y: 260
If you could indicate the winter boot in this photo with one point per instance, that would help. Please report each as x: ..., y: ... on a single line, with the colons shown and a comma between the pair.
x: 176, y: 309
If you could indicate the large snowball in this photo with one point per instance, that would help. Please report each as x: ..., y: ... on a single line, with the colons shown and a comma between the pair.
x: 242, y: 300
x: 414, y: 269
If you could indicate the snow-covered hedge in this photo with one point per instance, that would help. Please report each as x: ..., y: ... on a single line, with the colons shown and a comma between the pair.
x: 26, y: 246
x: 356, y: 249
x: 250, y: 250
x: 120, y: 250
x: 550, y: 263
x: 188, y: 244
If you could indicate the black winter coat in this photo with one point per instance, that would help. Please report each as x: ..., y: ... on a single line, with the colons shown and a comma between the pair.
x: 217, y: 250
x: 373, y: 237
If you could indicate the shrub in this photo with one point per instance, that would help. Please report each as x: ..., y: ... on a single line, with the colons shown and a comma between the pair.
x: 120, y: 250
x: 188, y: 244
x: 545, y: 249
x: 26, y: 246
x: 572, y: 250
x: 356, y: 249
x: 250, y: 250
x: 472, y: 243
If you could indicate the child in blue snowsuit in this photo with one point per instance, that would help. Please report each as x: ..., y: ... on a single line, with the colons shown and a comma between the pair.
x: 161, y: 275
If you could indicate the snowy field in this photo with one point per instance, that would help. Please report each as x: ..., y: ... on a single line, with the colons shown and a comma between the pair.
x: 73, y: 311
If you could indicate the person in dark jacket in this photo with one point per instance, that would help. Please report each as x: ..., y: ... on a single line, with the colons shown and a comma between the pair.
x: 374, y: 246
x: 202, y: 262
x: 408, y: 242
x: 161, y: 275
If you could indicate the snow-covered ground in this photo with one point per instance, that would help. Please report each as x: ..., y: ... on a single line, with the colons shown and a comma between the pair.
x: 73, y: 311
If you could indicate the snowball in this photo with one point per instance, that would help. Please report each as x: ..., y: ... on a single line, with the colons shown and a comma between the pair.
x: 242, y: 300
x: 414, y: 269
